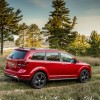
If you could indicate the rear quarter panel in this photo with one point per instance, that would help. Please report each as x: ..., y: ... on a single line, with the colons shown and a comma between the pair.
x: 36, y: 65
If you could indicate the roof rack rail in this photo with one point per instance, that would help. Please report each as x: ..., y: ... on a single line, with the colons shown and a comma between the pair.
x: 21, y: 47
x: 27, y: 48
x: 32, y: 49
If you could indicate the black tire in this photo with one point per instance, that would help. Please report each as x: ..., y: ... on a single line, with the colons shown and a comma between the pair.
x: 84, y: 76
x: 38, y: 80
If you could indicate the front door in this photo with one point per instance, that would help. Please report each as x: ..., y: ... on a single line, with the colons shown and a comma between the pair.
x: 70, y: 68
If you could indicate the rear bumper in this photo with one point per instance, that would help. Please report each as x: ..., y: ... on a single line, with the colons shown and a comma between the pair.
x: 20, y: 75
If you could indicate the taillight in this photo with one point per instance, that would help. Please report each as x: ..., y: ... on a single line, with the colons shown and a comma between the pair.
x: 21, y: 63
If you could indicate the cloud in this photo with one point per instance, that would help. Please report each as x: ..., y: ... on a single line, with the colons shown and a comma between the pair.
x: 82, y: 6
x: 39, y: 3
x: 93, y: 11
x: 38, y: 21
x: 87, y: 24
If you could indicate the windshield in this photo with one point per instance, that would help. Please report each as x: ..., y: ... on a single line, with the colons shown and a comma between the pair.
x: 18, y: 54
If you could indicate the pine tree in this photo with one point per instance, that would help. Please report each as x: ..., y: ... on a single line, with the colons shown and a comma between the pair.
x: 8, y: 21
x: 59, y: 26
x: 79, y: 46
x: 94, y: 42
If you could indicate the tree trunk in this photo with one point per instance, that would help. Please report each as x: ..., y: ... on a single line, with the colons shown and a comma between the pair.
x: 2, y: 41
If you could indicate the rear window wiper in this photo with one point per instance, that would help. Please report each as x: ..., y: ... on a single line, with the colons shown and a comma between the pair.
x: 11, y: 56
x: 17, y: 58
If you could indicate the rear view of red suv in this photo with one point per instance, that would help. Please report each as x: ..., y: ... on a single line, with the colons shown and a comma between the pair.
x: 39, y: 65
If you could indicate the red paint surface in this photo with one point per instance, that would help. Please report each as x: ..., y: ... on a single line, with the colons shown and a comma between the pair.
x: 53, y: 69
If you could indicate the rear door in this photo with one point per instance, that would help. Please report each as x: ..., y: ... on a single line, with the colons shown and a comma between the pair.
x: 54, y: 65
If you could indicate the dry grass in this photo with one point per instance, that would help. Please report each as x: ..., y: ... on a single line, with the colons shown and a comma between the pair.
x: 90, y: 60
x: 56, y: 90
x: 3, y: 60
x: 71, y: 91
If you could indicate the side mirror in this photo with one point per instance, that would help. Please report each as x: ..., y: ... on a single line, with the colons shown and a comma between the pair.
x: 74, y: 60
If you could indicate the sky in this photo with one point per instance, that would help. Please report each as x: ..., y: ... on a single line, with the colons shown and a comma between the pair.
x: 38, y: 11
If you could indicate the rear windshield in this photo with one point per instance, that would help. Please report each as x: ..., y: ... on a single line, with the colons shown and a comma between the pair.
x: 18, y: 54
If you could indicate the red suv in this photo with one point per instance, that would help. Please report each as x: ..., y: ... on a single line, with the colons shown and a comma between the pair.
x: 39, y: 65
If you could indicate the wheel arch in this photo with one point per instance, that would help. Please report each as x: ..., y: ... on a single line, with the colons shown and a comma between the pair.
x: 39, y: 69
x: 83, y: 68
x: 42, y: 72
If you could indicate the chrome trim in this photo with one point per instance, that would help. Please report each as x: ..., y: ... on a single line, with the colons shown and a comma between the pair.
x: 11, y: 76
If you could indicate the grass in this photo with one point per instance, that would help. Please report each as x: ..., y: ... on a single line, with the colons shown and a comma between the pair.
x: 90, y: 60
x: 57, y: 90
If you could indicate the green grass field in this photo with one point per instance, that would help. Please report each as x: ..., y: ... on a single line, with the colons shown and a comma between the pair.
x: 57, y: 90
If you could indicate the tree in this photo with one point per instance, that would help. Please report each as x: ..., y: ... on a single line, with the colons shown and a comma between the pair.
x: 9, y: 19
x: 79, y: 46
x: 94, y: 42
x: 59, y: 26
x: 23, y: 29
x: 30, y: 35
x: 34, y: 38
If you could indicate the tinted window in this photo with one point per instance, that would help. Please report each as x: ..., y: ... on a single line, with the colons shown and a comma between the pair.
x: 66, y: 57
x: 38, y: 56
x: 52, y: 57
x: 17, y: 54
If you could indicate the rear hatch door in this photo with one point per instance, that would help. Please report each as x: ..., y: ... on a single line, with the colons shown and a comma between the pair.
x: 14, y: 58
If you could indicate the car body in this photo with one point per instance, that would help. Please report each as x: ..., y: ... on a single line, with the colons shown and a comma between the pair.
x: 40, y: 65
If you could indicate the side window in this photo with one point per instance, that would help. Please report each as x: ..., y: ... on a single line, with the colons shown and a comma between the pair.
x: 66, y: 57
x: 38, y: 56
x: 52, y: 56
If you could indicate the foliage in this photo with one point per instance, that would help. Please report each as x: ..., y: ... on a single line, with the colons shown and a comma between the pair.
x: 59, y: 26
x: 94, y: 42
x: 23, y: 29
x: 9, y: 19
x: 29, y: 36
x: 79, y: 46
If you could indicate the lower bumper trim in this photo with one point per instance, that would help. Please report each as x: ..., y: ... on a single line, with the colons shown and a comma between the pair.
x: 11, y: 76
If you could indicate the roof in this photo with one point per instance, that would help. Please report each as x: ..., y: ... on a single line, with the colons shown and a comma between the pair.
x: 42, y: 49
